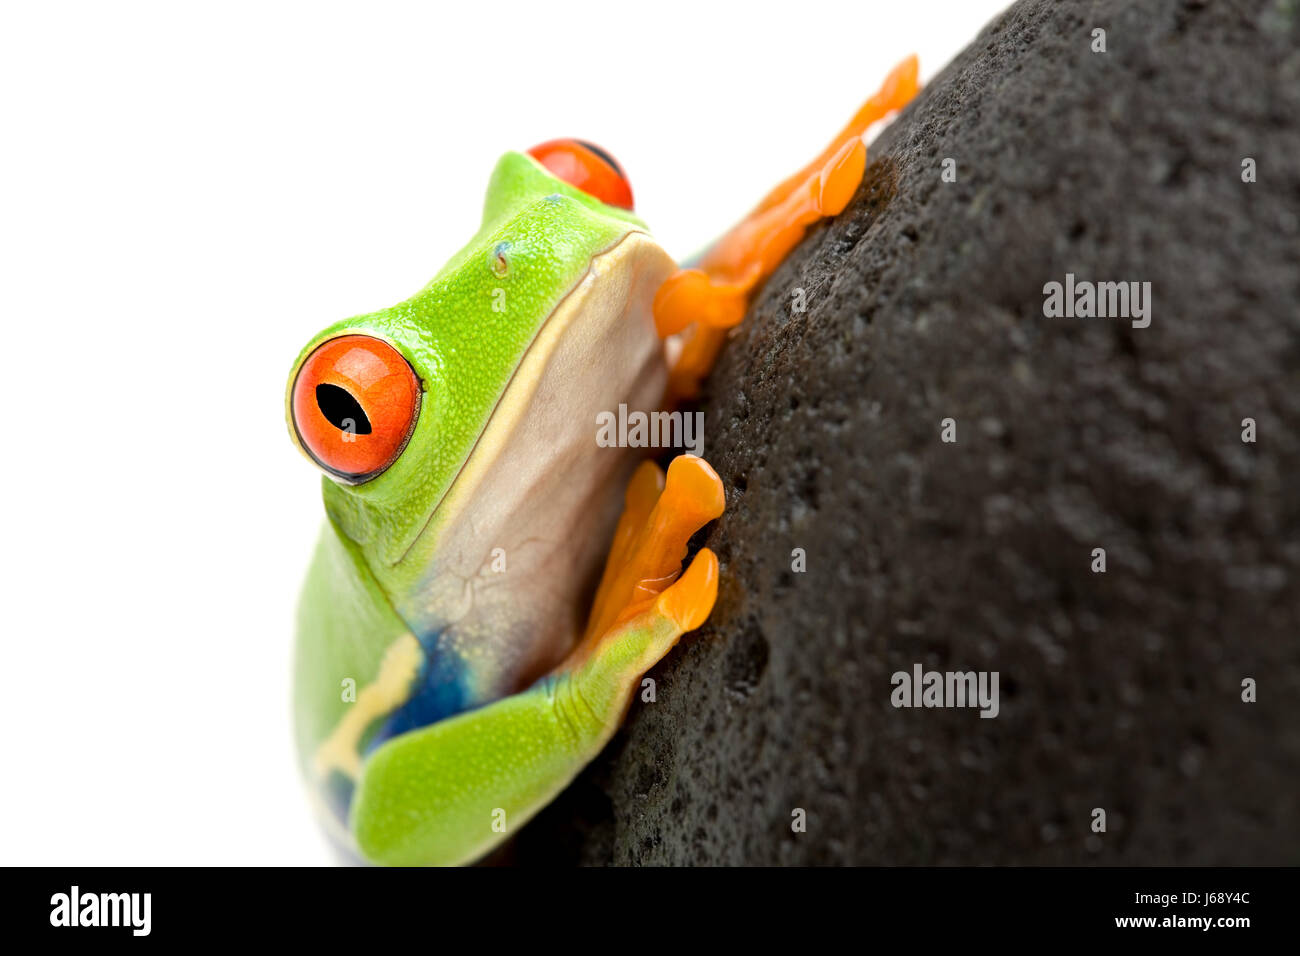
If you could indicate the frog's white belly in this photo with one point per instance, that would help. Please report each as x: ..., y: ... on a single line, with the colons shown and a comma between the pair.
x: 523, y: 533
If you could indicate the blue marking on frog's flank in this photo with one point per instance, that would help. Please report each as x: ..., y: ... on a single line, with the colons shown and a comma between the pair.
x: 438, y: 692
x: 337, y: 791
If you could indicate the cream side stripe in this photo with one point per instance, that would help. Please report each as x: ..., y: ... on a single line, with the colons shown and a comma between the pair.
x: 341, y: 749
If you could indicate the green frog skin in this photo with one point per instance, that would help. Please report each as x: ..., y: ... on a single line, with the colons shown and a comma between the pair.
x: 453, y: 671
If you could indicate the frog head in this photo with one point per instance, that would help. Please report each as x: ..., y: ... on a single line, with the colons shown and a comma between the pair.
x: 392, y: 404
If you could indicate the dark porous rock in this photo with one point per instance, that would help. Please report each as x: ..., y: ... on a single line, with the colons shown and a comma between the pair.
x: 925, y: 301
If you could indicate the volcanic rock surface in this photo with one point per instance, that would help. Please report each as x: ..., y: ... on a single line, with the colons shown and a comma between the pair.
x: 925, y: 301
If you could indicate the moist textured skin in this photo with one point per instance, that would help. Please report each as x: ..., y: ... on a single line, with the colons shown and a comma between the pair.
x: 924, y: 301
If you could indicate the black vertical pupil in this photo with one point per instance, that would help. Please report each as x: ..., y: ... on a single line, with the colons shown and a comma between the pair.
x: 342, y: 410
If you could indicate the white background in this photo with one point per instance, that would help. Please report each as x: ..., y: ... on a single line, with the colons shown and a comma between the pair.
x: 186, y: 195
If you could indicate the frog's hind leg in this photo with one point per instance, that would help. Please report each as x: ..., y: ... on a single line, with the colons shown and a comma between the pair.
x: 448, y: 792
x: 703, y: 302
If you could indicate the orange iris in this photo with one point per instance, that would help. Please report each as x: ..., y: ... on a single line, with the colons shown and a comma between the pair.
x: 587, y: 167
x: 354, y: 404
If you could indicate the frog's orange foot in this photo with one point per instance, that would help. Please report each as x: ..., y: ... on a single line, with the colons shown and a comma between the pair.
x: 715, y: 296
x: 658, y: 520
x: 900, y: 86
x: 692, y: 295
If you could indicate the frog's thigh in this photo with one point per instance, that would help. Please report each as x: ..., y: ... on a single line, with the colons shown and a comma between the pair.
x: 389, y: 690
x: 448, y: 793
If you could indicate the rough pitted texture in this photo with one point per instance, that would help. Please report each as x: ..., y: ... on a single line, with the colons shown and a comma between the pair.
x: 1119, y: 690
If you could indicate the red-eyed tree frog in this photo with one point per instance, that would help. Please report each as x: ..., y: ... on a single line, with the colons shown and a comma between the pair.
x: 453, y: 672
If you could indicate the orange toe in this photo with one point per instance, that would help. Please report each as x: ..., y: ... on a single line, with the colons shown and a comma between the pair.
x: 693, y: 494
x: 840, y: 176
x: 648, y: 558
x: 689, y: 601
x: 642, y: 494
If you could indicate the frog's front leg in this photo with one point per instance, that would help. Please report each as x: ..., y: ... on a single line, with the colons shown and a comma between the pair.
x: 449, y: 792
x: 704, y: 301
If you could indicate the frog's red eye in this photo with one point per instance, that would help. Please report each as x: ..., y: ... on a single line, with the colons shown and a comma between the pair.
x: 354, y: 404
x: 588, y: 167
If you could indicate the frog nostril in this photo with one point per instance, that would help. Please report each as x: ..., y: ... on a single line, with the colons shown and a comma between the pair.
x: 342, y: 410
